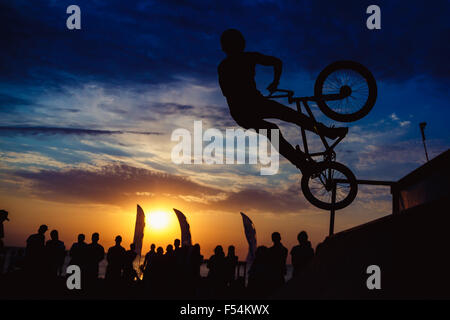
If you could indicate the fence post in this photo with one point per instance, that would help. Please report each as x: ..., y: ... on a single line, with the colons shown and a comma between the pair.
x: 333, y: 202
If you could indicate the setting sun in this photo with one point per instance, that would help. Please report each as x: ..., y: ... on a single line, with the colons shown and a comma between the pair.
x: 158, y: 219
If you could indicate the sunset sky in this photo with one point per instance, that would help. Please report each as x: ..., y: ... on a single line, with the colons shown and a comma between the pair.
x: 86, y: 116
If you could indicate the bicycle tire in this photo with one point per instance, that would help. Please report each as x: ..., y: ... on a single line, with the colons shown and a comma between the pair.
x: 326, y: 205
x: 326, y: 106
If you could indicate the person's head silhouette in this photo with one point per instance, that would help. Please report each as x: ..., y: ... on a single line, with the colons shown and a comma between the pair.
x: 54, y: 235
x: 152, y: 247
x: 302, y: 237
x: 177, y: 243
x: 276, y: 237
x: 95, y: 237
x: 118, y: 240
x: 232, y: 41
x: 169, y: 248
x: 160, y: 251
x: 43, y: 229
x: 132, y: 247
x: 81, y: 238
x: 196, y: 248
x: 3, y: 216
x: 219, y: 251
x: 231, y: 251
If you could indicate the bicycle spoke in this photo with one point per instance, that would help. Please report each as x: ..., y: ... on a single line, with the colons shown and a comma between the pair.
x: 318, y: 184
x: 358, y: 84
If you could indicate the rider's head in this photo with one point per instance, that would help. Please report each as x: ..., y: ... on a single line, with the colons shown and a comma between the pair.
x: 232, y: 41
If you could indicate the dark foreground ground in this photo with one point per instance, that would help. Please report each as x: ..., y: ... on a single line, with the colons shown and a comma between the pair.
x: 412, y: 250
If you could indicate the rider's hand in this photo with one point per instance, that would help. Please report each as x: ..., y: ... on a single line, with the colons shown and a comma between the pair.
x: 272, y: 87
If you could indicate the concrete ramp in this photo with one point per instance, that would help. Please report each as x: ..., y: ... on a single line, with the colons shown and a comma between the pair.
x: 412, y: 247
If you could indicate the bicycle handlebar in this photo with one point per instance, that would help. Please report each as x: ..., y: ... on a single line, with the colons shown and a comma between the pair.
x: 289, y: 94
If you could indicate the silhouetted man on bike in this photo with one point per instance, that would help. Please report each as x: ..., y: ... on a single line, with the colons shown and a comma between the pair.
x: 250, y: 108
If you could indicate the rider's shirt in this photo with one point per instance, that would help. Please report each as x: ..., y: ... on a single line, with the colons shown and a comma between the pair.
x: 237, y: 75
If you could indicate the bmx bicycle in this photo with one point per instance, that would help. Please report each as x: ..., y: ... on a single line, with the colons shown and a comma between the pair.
x: 344, y: 91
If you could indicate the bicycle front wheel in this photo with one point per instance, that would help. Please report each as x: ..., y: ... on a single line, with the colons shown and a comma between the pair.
x: 317, y: 186
x: 352, y: 80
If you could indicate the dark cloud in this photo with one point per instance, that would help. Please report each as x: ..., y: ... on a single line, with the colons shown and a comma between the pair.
x: 275, y: 201
x: 169, y: 108
x: 219, y: 116
x: 110, y: 184
x: 151, y: 42
x: 7, y: 130
x: 120, y: 183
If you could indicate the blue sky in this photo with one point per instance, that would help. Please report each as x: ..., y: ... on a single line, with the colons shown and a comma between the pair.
x: 73, y: 103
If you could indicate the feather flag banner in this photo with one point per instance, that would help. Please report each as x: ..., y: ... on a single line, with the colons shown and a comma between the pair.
x: 139, y: 230
x: 185, y: 228
x: 250, y: 234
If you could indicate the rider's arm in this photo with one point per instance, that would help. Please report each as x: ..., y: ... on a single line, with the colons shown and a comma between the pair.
x: 270, y: 61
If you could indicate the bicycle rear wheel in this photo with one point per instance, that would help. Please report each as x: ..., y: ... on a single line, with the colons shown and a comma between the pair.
x: 317, y: 186
x: 351, y: 79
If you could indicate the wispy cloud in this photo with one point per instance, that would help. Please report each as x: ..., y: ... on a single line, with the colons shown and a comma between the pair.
x: 64, y: 131
x: 396, y: 119
x: 119, y: 183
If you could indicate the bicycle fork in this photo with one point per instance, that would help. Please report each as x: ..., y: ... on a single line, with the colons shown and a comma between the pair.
x: 329, y: 150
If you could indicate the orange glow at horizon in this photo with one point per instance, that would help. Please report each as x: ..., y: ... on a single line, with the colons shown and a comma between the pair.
x: 209, y: 228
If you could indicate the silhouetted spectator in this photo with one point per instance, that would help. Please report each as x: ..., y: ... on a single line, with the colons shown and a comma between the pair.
x: 301, y: 254
x: 35, y: 251
x: 217, y: 270
x: 96, y: 253
x: 181, y: 272
x: 169, y: 256
x: 179, y: 256
x: 56, y: 253
x: 321, y: 245
x: 194, y: 263
x: 170, y: 270
x: 232, y: 262
x: 278, y: 254
x: 3, y: 218
x: 115, y: 258
x: 176, y: 245
x: 129, y: 274
x: 156, y: 272
x: 259, y: 273
x: 78, y: 252
x: 145, y: 268
x: 149, y: 256
x: 79, y: 256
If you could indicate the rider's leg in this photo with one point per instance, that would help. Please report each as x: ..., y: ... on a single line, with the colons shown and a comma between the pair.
x: 271, y: 109
x: 296, y: 157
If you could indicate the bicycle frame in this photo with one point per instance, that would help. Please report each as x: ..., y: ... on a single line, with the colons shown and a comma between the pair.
x: 329, y: 153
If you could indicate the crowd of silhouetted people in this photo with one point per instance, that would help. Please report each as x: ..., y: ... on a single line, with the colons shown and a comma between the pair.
x: 170, y: 273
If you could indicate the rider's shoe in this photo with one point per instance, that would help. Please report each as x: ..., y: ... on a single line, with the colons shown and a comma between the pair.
x: 331, y: 132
